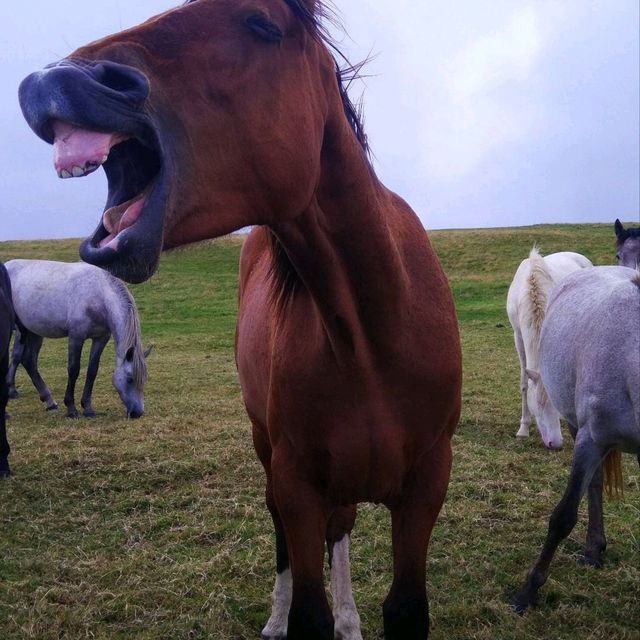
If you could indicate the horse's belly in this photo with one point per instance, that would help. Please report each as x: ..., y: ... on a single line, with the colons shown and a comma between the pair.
x: 47, y: 325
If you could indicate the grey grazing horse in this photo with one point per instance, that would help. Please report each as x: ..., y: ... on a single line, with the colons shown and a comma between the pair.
x: 6, y: 326
x: 627, y: 245
x: 59, y: 299
x: 590, y: 365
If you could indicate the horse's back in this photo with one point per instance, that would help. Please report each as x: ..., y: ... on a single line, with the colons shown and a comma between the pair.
x: 590, y: 349
x: 548, y: 270
x: 563, y: 263
x: 47, y: 295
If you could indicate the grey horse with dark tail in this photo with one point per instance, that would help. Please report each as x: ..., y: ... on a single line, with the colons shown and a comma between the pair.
x: 81, y: 302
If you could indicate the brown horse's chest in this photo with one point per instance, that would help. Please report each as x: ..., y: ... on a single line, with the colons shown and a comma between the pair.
x: 355, y: 427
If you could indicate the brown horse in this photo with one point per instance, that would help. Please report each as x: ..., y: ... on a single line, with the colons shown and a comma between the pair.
x: 226, y: 113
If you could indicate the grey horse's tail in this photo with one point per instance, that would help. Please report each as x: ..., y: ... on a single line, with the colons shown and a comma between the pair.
x: 636, y: 277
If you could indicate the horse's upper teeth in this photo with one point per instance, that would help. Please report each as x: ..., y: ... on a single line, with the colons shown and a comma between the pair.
x: 63, y: 173
x: 77, y: 171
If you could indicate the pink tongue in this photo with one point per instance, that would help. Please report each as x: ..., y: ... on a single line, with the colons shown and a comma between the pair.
x: 114, y: 222
x: 77, y: 152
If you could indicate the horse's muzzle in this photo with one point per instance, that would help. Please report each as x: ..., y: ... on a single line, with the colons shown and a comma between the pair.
x: 101, y: 96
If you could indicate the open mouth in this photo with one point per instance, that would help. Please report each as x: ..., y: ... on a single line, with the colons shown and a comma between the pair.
x: 132, y: 169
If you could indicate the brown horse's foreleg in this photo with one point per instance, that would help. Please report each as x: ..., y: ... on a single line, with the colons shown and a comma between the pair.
x: 73, y: 371
x: 587, y: 458
x: 304, y: 516
x: 406, y: 609
x: 276, y: 627
x: 345, y: 614
x: 97, y: 347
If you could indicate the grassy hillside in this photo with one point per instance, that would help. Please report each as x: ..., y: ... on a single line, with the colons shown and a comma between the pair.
x: 156, y: 528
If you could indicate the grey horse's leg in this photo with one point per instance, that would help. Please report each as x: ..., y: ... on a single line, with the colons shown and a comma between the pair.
x: 5, y: 449
x: 73, y: 371
x: 97, y: 347
x: 596, y: 542
x: 31, y: 351
x: 16, y: 359
x: 587, y: 458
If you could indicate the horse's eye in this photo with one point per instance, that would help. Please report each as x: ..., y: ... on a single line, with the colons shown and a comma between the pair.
x: 617, y: 256
x: 129, y: 380
x: 264, y: 28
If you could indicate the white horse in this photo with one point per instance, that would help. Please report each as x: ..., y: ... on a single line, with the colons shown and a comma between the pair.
x: 526, y: 303
x: 590, y: 364
x: 78, y: 300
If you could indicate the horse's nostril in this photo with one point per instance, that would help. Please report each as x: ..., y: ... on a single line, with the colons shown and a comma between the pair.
x: 123, y: 79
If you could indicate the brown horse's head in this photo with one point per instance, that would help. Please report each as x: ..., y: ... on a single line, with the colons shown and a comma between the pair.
x: 206, y: 118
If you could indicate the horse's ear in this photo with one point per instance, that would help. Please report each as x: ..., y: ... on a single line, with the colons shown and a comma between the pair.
x: 148, y: 350
x: 621, y: 232
x: 128, y: 356
x: 533, y: 375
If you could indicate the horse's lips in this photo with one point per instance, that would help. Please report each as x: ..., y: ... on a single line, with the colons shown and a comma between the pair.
x: 77, y: 151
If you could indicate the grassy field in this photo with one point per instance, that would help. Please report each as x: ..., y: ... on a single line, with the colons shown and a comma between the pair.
x: 156, y: 528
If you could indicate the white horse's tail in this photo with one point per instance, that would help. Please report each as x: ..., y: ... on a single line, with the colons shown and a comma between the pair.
x: 539, y: 283
x: 636, y: 277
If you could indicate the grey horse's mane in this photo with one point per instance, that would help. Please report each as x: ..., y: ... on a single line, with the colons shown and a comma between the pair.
x: 131, y: 334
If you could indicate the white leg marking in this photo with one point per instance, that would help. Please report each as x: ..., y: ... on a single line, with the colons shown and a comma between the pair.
x: 276, y: 627
x: 347, y: 620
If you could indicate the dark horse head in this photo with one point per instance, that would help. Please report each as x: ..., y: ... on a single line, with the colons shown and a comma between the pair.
x: 627, y: 246
x: 206, y: 118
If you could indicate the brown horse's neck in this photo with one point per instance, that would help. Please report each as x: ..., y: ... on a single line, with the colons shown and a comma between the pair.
x: 348, y: 250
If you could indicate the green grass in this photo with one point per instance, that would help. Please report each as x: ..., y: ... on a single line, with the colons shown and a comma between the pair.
x: 156, y: 528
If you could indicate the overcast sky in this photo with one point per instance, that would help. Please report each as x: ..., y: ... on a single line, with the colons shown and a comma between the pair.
x: 496, y: 113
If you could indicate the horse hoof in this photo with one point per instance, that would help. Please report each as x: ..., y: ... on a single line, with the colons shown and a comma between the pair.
x: 89, y: 414
x: 5, y: 472
x: 72, y: 414
x: 519, y: 603
x: 52, y: 407
x: 13, y: 394
x: 590, y: 560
